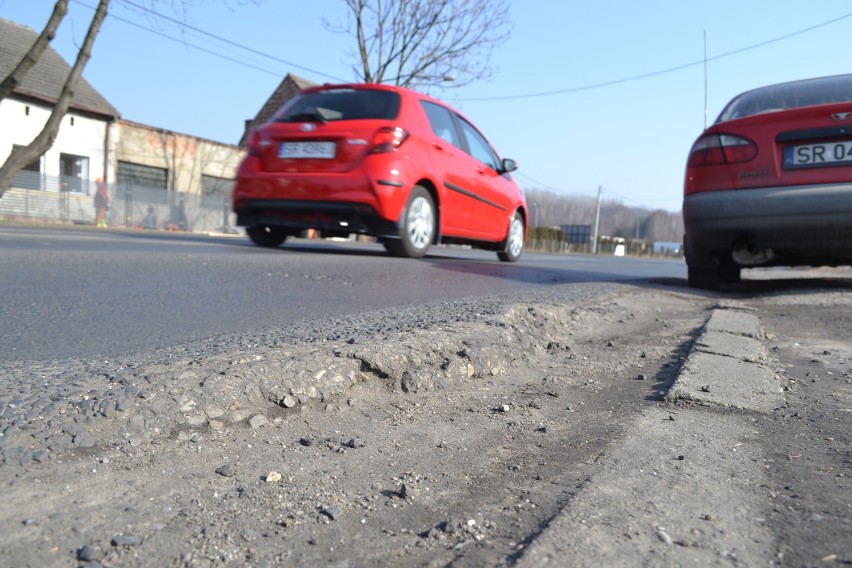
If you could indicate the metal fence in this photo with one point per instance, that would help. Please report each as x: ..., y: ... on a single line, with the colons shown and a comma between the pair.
x: 148, y: 208
x: 51, y: 199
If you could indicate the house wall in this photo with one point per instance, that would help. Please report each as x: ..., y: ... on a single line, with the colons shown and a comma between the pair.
x: 184, y: 157
x: 78, y: 136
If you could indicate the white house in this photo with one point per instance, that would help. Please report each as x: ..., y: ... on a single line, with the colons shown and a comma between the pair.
x: 179, y: 176
x: 81, y: 152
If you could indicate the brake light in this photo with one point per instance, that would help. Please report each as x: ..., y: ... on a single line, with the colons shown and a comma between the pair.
x: 388, y: 139
x: 253, y: 144
x: 719, y: 149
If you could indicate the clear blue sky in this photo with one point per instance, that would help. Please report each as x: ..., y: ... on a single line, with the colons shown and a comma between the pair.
x: 629, y: 136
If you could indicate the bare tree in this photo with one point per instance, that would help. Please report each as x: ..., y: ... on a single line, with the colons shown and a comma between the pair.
x: 423, y: 43
x: 21, y: 156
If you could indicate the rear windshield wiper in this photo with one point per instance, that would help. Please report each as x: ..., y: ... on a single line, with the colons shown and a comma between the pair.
x: 305, y: 117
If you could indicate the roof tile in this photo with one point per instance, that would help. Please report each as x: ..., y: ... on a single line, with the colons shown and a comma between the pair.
x: 289, y: 87
x: 47, y: 77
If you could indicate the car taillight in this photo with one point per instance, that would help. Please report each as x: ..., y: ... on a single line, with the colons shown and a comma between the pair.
x: 719, y: 149
x: 253, y: 144
x: 388, y: 139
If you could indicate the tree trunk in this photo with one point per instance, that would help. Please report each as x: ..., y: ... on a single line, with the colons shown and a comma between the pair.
x: 20, y: 157
x: 32, y: 56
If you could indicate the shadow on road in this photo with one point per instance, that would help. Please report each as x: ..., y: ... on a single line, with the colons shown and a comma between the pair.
x: 578, y: 268
x: 457, y: 261
x: 763, y: 286
x: 768, y: 285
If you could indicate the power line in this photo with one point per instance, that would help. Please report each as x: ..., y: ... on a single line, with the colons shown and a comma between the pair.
x: 543, y: 185
x: 210, y: 35
x: 661, y: 71
x: 536, y: 182
x: 611, y: 192
x: 604, y: 190
x: 229, y: 42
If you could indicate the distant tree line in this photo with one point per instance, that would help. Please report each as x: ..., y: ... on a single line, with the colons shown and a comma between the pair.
x: 549, y: 209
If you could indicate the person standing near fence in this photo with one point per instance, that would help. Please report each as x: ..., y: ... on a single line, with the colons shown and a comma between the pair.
x: 101, y: 203
x: 150, y: 220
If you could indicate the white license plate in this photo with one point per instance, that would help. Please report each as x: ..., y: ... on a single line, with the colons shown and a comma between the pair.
x: 324, y: 150
x: 816, y: 155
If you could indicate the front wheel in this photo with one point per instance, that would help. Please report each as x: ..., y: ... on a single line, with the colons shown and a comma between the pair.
x: 514, y: 240
x: 416, y: 226
x: 266, y: 236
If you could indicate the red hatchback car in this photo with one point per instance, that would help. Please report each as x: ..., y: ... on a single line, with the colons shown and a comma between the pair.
x: 770, y: 183
x: 383, y: 161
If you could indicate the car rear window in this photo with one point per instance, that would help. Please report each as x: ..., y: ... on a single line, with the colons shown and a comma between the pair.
x: 341, y: 104
x: 809, y: 92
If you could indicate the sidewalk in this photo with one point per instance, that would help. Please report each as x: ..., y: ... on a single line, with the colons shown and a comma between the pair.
x: 679, y: 490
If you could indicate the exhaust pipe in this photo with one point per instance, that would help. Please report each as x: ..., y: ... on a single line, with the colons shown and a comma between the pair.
x: 748, y: 254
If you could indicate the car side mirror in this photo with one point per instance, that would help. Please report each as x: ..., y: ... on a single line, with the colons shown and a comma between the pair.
x: 508, y: 165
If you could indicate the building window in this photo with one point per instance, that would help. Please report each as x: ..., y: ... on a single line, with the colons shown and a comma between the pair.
x: 212, y: 185
x: 73, y: 172
x: 133, y: 176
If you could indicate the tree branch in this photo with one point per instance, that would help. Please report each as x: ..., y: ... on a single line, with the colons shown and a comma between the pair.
x: 420, y: 42
x: 20, y: 157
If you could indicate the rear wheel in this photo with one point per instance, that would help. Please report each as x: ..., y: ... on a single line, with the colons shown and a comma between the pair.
x: 727, y: 272
x: 705, y: 278
x: 266, y: 236
x: 514, y: 240
x: 416, y: 227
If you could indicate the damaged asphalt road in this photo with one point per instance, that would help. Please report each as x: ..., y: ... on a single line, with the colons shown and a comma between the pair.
x: 608, y: 426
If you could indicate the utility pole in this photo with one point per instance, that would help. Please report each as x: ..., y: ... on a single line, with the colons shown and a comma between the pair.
x: 597, y: 221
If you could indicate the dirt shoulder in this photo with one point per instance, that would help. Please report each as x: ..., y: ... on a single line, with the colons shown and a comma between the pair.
x: 451, y: 442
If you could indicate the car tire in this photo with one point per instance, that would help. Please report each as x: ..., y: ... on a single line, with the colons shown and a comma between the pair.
x: 729, y: 272
x: 704, y: 278
x: 713, y: 278
x: 266, y: 236
x: 514, y: 240
x: 416, y: 226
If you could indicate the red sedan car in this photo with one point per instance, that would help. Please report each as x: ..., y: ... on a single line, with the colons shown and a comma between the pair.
x: 770, y: 183
x: 383, y: 161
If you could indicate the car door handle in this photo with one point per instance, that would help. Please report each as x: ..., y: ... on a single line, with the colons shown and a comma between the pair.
x: 438, y: 146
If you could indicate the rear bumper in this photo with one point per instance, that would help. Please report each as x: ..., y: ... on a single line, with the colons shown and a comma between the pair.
x: 356, y: 201
x: 803, y: 224
x: 321, y: 215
